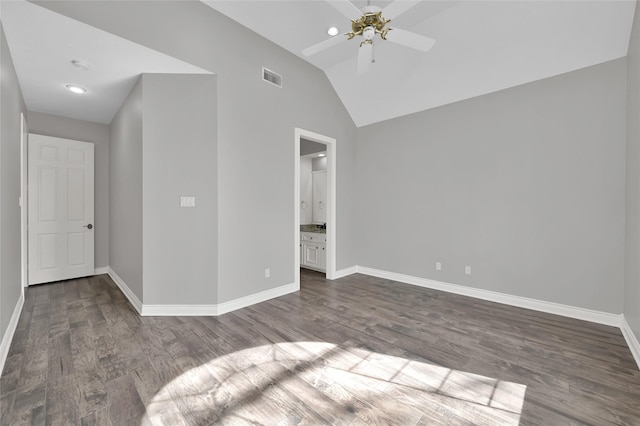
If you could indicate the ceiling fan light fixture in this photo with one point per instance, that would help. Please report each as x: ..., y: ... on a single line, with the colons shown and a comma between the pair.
x: 76, y: 89
x: 368, y: 22
x: 333, y: 31
x: 368, y: 33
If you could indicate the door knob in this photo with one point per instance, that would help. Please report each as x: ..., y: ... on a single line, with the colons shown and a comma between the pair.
x: 90, y: 226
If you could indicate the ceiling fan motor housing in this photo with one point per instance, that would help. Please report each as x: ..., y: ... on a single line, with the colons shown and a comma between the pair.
x: 370, y: 23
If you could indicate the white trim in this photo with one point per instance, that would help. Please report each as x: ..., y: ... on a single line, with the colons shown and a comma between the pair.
x: 223, y: 308
x: 133, y: 299
x: 296, y: 207
x: 101, y: 271
x: 252, y: 299
x: 199, y: 310
x: 24, y: 202
x: 492, y: 296
x: 632, y: 340
x: 11, y: 329
x: 345, y: 272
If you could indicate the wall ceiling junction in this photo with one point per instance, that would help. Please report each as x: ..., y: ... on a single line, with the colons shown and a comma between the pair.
x: 481, y: 47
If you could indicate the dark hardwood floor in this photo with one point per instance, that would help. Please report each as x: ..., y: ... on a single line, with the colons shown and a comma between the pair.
x: 358, y: 350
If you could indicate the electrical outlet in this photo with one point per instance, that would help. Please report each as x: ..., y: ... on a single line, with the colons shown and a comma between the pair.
x: 467, y: 270
x: 187, y: 201
x: 438, y: 266
x: 267, y: 273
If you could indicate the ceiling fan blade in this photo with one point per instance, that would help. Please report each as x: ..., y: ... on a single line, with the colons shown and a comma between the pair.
x: 330, y: 42
x: 365, y: 54
x: 397, y: 8
x: 347, y: 8
x: 409, y: 39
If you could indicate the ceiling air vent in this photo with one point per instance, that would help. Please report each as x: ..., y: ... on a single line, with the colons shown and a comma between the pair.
x: 271, y: 77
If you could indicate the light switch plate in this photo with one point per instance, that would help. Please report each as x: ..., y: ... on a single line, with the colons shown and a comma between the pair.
x: 187, y: 201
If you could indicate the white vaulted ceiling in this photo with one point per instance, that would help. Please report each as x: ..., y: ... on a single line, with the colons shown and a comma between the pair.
x: 481, y: 47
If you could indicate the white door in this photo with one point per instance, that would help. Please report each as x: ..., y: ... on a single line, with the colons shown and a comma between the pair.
x: 61, y: 235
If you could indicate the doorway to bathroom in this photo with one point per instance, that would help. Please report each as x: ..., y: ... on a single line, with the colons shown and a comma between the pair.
x: 315, y: 203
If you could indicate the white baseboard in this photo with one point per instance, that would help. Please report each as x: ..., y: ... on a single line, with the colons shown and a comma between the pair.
x: 101, y: 271
x: 492, y: 296
x: 523, y: 302
x: 632, y: 340
x: 11, y: 329
x: 345, y: 272
x: 133, y: 299
x: 252, y: 299
x: 219, y: 309
x: 199, y: 310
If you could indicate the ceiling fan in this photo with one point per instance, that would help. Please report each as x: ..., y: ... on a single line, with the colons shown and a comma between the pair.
x: 368, y: 22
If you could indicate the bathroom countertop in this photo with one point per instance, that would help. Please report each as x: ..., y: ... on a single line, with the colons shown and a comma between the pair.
x: 313, y: 228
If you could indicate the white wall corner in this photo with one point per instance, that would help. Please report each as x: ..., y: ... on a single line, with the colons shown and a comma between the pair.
x: 133, y: 299
x: 632, y: 340
x: 345, y: 272
x: 11, y: 329
x: 598, y: 317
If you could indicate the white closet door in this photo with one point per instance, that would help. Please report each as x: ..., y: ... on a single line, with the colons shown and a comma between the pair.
x: 61, y: 234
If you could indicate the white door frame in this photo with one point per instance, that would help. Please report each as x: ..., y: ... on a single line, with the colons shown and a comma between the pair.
x: 331, y: 200
x: 24, y: 202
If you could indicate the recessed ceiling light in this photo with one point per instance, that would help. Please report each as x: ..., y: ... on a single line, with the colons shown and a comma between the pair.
x: 76, y: 89
x: 333, y: 31
x: 322, y: 155
x: 79, y: 64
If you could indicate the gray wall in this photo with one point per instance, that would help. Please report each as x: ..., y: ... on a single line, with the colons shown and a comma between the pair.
x: 11, y: 105
x: 256, y: 124
x: 125, y: 192
x: 98, y: 134
x: 525, y: 185
x: 179, y: 159
x: 632, y: 277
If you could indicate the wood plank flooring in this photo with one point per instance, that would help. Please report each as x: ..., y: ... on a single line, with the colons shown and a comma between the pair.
x: 355, y: 351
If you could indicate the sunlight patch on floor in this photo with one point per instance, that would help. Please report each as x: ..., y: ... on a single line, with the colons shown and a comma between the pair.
x: 319, y: 382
